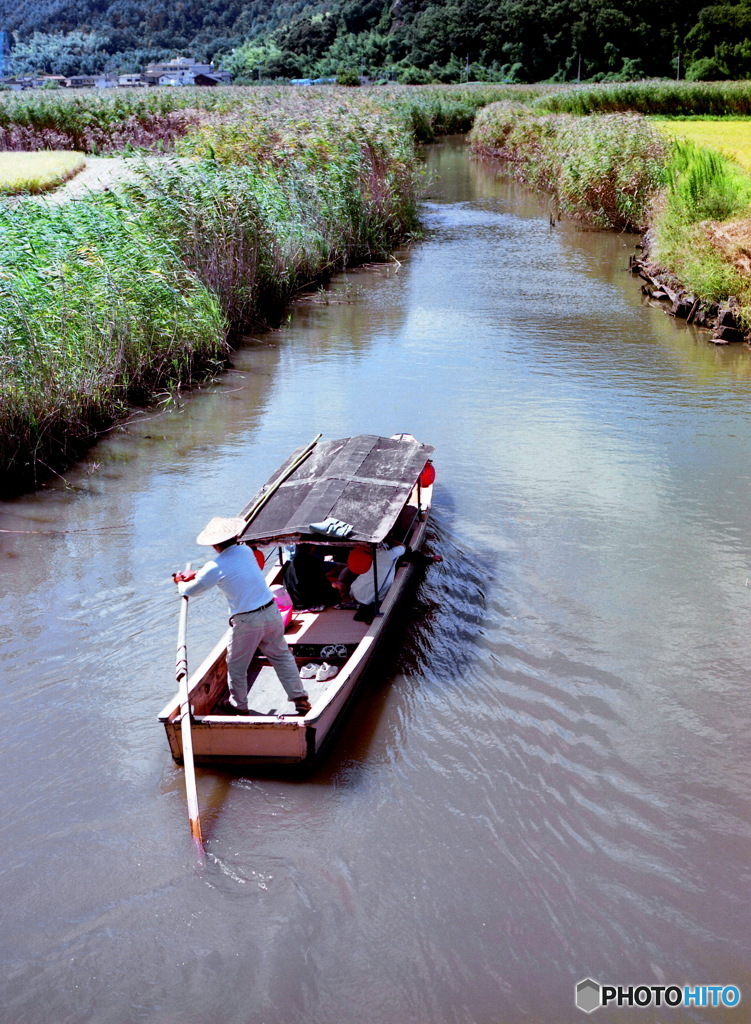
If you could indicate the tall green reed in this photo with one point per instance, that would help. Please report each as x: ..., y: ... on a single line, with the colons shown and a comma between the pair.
x: 603, y: 170
x: 116, y: 295
x: 94, y: 313
x: 677, y: 99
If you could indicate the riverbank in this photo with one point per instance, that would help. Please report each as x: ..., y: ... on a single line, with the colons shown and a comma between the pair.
x: 619, y: 170
x: 140, y: 290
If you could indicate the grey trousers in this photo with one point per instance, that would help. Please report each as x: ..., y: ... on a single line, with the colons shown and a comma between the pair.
x: 264, y: 630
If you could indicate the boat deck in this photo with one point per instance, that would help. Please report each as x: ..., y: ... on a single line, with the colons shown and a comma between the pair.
x: 334, y: 626
x: 308, y: 634
x: 267, y: 695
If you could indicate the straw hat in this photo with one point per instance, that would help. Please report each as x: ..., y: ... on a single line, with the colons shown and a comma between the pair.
x: 217, y: 530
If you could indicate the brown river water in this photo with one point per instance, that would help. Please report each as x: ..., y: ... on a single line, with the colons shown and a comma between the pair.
x: 546, y: 776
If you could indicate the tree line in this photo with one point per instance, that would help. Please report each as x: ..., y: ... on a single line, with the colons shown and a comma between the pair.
x: 411, y: 41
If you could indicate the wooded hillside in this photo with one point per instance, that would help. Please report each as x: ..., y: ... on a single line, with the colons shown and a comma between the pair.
x: 409, y: 40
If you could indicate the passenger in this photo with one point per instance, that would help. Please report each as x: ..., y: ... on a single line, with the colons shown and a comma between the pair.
x: 254, y: 617
x: 307, y: 579
x: 362, y: 588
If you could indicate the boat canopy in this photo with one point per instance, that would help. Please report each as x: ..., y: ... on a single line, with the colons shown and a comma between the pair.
x: 364, y: 481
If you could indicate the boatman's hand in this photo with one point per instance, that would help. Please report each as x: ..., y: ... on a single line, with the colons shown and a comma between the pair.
x: 183, y: 577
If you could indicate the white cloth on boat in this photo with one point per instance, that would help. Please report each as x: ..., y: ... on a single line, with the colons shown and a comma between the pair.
x: 237, y: 574
x: 363, y: 588
x: 333, y: 527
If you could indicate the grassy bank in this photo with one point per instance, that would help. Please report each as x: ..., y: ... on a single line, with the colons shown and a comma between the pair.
x: 623, y: 171
x: 603, y: 170
x: 699, y: 231
x: 108, y: 299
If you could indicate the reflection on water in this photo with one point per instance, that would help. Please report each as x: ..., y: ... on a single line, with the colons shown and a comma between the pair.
x: 546, y: 777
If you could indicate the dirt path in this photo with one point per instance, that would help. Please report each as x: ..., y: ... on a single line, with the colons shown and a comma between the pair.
x: 100, y: 173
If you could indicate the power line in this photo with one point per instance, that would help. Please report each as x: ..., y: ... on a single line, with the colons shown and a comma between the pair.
x: 4, y: 52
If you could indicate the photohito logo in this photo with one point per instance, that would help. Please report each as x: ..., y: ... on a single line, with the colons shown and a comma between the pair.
x: 590, y: 995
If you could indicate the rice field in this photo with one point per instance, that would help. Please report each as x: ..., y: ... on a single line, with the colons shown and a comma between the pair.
x: 731, y: 137
x: 37, y: 172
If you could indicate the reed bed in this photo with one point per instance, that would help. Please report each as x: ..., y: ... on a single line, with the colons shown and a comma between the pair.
x: 104, y: 121
x: 37, y: 172
x: 278, y: 200
x: 670, y: 99
x: 109, y: 121
x: 106, y: 299
x: 603, y: 170
x: 95, y: 312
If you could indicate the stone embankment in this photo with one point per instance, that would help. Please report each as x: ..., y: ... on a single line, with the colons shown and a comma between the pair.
x: 721, y: 318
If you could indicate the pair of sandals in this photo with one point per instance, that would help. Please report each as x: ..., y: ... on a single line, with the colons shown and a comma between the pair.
x: 334, y: 651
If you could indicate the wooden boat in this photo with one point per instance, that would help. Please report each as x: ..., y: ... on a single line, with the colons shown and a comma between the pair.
x: 372, y: 483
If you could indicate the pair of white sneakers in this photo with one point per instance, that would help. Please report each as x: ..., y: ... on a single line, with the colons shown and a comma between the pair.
x: 319, y: 672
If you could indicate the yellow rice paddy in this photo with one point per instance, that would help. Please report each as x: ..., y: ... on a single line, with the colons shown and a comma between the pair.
x: 37, y: 172
x: 730, y: 137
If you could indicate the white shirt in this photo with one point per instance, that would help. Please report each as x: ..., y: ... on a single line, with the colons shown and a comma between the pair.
x: 236, y: 573
x: 363, y: 588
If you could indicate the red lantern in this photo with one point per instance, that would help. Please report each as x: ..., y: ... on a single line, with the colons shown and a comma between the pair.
x: 428, y: 475
x: 359, y: 561
x: 259, y: 558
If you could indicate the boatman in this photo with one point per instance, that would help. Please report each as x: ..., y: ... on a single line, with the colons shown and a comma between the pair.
x: 254, y: 617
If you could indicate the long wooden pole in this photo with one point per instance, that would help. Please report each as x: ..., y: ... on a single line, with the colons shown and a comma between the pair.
x: 181, y: 674
x: 256, y: 508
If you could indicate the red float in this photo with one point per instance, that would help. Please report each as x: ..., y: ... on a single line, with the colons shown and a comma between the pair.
x: 359, y: 561
x: 428, y: 475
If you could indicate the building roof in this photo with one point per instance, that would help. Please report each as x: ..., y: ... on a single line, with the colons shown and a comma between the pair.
x: 364, y: 481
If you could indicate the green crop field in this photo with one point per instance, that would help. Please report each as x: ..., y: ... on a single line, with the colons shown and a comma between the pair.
x: 37, y: 172
x: 730, y: 137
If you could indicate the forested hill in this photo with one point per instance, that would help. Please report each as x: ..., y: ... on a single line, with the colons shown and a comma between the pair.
x: 408, y: 40
x: 84, y: 36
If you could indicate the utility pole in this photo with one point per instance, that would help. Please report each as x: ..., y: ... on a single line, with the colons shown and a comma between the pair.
x: 678, y: 71
x: 466, y: 70
x: 579, y: 71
